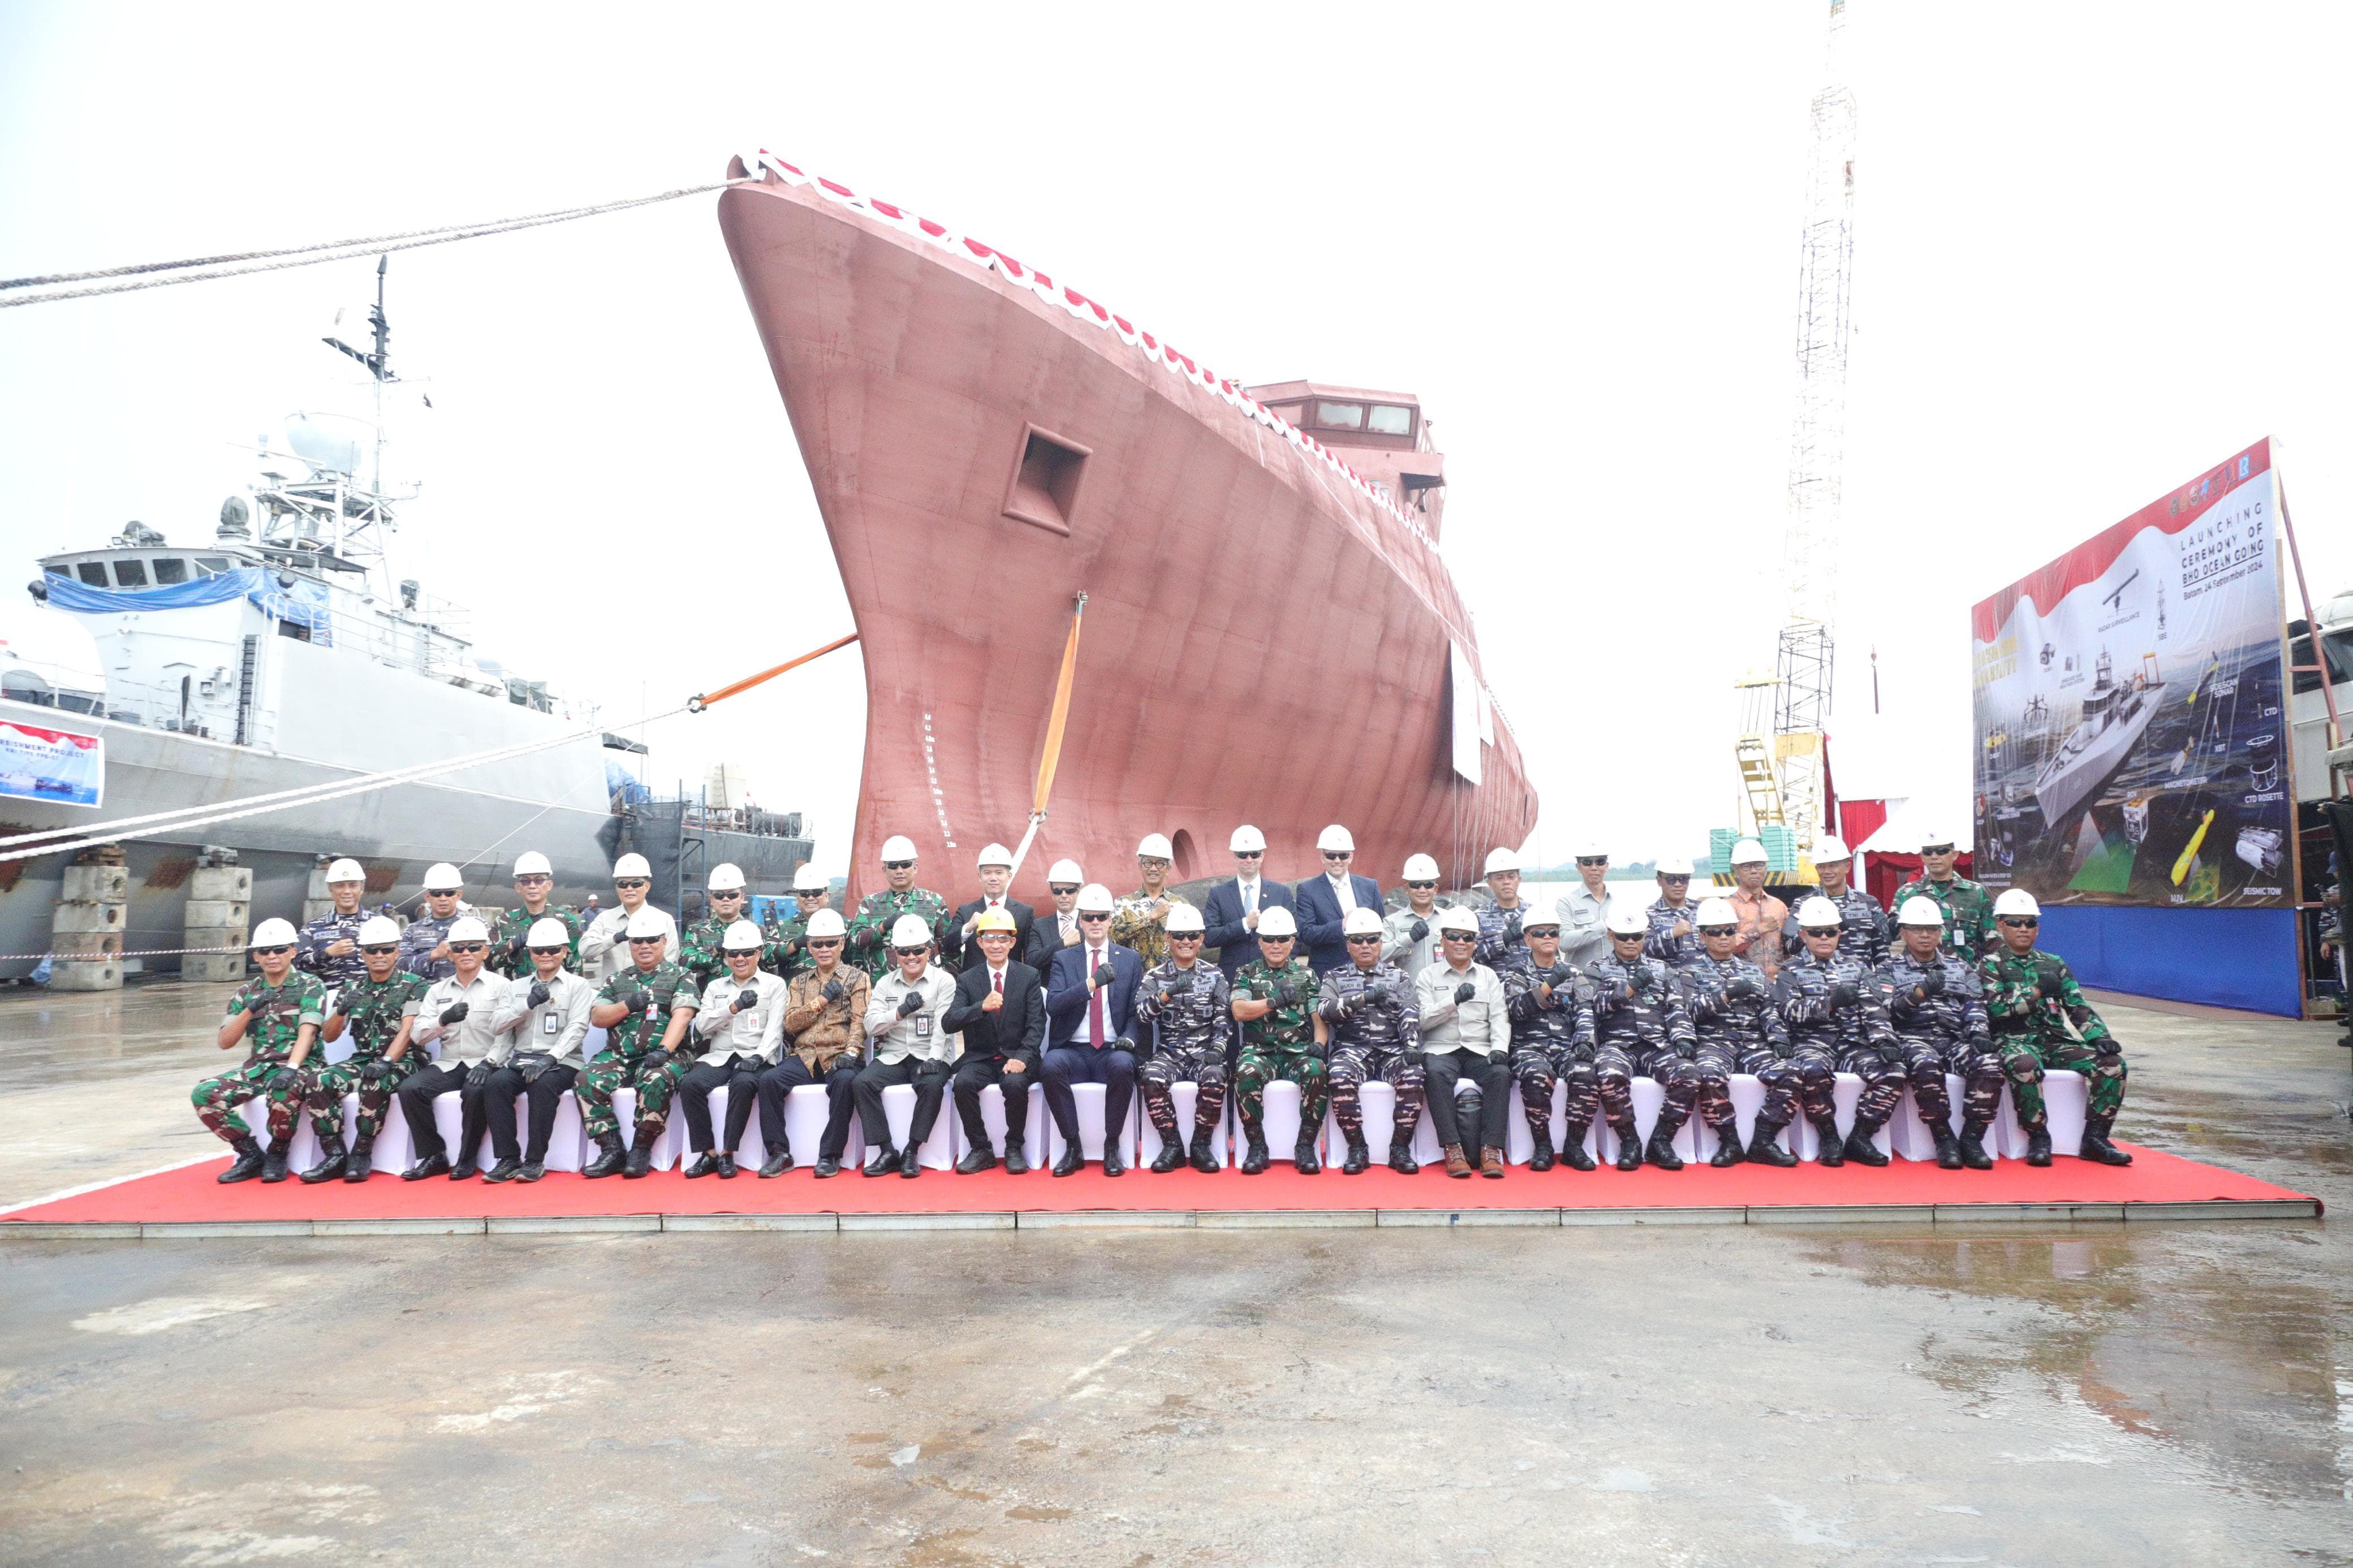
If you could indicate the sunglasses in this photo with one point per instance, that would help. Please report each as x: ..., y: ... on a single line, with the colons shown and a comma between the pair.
x: 1809, y: 932
x: 912, y: 951
x: 1460, y: 936
x: 380, y: 952
x: 1250, y: 854
x: 1421, y: 887
x: 898, y: 865
x: 633, y: 882
x: 1719, y: 930
x: 1177, y: 936
x: 1678, y: 880
x: 1339, y: 855
x: 533, y: 880
x: 806, y: 896
x: 2023, y: 922
x: 731, y: 953
x: 824, y: 941
x: 1090, y: 916
x: 442, y: 892
x: 454, y: 947
x: 1533, y: 931
x: 728, y: 894
x: 1939, y: 850
x: 272, y: 952
x: 1065, y: 890
x: 1593, y: 859
x: 1364, y: 940
x: 550, y: 951
x: 647, y: 941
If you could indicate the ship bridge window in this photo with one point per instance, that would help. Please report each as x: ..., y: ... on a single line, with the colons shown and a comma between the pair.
x: 1388, y: 419
x: 169, y: 569
x: 211, y: 565
x: 131, y: 573
x: 1340, y: 416
x: 92, y: 573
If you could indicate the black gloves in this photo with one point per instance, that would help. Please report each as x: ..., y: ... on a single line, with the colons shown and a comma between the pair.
x: 654, y: 1060
x: 1512, y: 926
x: 1931, y: 982
x: 1121, y: 1044
x: 2046, y: 981
x: 453, y: 1014
x: 536, y: 994
x: 1421, y: 929
x: 515, y: 945
x: 1352, y: 1003
x: 910, y: 1004
x: 1105, y: 974
x: 1414, y: 1055
x: 478, y: 1074
x: 1464, y: 991
x: 1286, y: 994
x: 1181, y: 982
x: 376, y: 1072
x: 639, y: 1002
x: 864, y: 939
x: 1845, y: 993
x: 833, y: 991
x: 1501, y: 1058
x: 746, y: 999
x: 1741, y: 986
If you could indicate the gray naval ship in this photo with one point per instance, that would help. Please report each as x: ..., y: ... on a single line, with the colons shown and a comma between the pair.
x: 147, y: 677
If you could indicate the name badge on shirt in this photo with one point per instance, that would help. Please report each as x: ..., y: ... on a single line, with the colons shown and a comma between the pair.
x: 922, y: 1026
x: 549, y: 1023
x: 752, y: 1020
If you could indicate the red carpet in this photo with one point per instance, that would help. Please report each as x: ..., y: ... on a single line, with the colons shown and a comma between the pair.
x: 190, y: 1194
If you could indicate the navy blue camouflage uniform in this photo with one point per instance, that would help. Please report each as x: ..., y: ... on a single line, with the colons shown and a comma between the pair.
x: 421, y: 937
x: 1739, y: 1030
x: 1376, y: 1033
x: 1837, y: 1017
x: 1863, y: 930
x: 310, y: 955
x: 1663, y: 944
x: 1542, y: 1006
x: 1499, y: 934
x: 1191, y: 1013
x: 1645, y: 1033
x: 1946, y: 1031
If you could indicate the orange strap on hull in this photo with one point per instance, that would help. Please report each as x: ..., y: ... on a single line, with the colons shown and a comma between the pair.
x: 1061, y: 710
x: 697, y: 704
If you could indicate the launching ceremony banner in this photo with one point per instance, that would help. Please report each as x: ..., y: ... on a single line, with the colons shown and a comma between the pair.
x: 2131, y: 744
x: 54, y: 765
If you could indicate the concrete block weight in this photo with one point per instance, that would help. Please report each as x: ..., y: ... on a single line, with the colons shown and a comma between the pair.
x: 217, y: 914
x: 232, y: 883
x: 214, y: 967
x: 81, y: 918
x: 96, y: 885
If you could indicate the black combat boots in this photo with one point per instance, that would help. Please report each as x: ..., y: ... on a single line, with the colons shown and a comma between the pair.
x: 640, y: 1161
x: 1660, y: 1150
x: 246, y: 1167
x: 1764, y: 1151
x: 1402, y: 1158
x: 1203, y: 1153
x: 2038, y: 1145
x: 1859, y: 1148
x: 2096, y: 1146
x: 1572, y: 1146
x: 1304, y: 1157
x: 1948, y: 1148
x: 1541, y: 1158
x: 1826, y: 1130
x: 1171, y: 1155
x: 1360, y: 1157
x: 610, y: 1157
x: 360, y: 1163
x: 1972, y: 1147
x: 331, y: 1159
x: 273, y: 1161
x: 1255, y: 1159
x: 1728, y: 1150
x: 1630, y: 1147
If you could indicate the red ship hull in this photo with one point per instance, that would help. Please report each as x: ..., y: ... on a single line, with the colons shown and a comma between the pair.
x: 1265, y: 641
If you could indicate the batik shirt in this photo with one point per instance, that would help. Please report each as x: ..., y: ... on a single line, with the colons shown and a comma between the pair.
x: 1132, y: 925
x: 1289, y: 1025
x: 1194, y: 1019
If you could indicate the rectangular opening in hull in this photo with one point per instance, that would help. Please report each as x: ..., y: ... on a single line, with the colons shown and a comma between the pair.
x: 1044, y: 491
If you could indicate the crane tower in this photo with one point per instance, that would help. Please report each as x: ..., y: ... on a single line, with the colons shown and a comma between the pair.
x: 1782, y: 766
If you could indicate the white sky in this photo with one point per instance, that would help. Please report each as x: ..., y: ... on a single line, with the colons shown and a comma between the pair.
x: 2098, y: 248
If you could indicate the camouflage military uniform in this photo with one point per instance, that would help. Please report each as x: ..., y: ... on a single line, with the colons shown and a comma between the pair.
x: 1970, y: 935
x: 1499, y: 934
x: 1377, y: 1037
x: 698, y: 949
x: 1945, y: 1033
x: 421, y: 937
x: 278, y: 1013
x: 310, y: 955
x: 1852, y: 1031
x: 785, y: 951
x: 1543, y: 1048
x: 1739, y: 1030
x: 514, y: 963
x: 1863, y: 930
x: 1663, y: 944
x: 1646, y: 1033
x: 1192, y: 1013
x: 1279, y: 1044
x: 371, y: 1011
x: 632, y: 1057
x: 2040, y: 1020
x: 1133, y: 926
x: 877, y: 911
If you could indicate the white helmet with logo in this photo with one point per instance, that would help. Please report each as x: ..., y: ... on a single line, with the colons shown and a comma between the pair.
x: 1832, y: 847
x: 548, y: 931
x: 1065, y: 872
x: 993, y: 855
x: 532, y: 863
x: 1455, y: 917
x: 273, y: 932
x: 647, y: 923
x: 2016, y: 901
x: 1627, y: 920
x: 725, y: 878
x: 1819, y: 913
x: 1184, y: 917
x: 1154, y: 847
x: 379, y: 930
x: 740, y: 937
x: 1247, y: 839
x: 444, y: 878
x: 1095, y: 898
x: 1337, y: 839
x: 466, y: 928
x: 1749, y: 852
x: 1361, y: 922
x: 1715, y: 912
x: 898, y: 847
x: 910, y: 931
x: 1673, y: 865
x: 1420, y: 869
x: 1501, y: 860
x: 807, y: 879
x: 345, y: 871
x: 1920, y: 911
x: 1276, y: 923
x: 630, y: 867
x: 826, y: 923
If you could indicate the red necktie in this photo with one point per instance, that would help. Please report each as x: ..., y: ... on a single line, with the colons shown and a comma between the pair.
x: 997, y: 982
x: 1095, y: 1002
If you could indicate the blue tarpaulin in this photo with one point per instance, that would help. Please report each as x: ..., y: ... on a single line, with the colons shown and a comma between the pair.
x: 2224, y: 958
x: 304, y: 604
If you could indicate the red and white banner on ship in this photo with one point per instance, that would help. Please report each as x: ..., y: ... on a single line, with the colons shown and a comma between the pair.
x: 61, y: 766
x: 2131, y: 732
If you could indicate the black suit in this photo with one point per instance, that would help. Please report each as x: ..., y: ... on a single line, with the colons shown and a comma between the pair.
x: 1045, y: 942
x: 970, y: 957
x: 1015, y: 1032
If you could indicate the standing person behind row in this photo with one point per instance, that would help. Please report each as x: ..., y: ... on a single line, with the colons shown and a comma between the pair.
x: 644, y: 1010
x: 995, y: 867
x: 1188, y: 1005
x: 455, y: 1012
x: 785, y: 954
x: 379, y: 1011
x: 1059, y: 926
x: 535, y: 879
x: 329, y: 947
x: 605, y: 945
x: 825, y: 1013
x: 1091, y: 1020
x: 1970, y: 933
x: 1760, y: 915
x: 540, y: 1023
x: 276, y: 1017
x: 1863, y: 923
x: 1409, y: 935
x: 877, y: 911
x: 1502, y: 922
x: 425, y: 945
x: 1466, y: 1032
x: 1584, y: 908
x: 699, y: 948
x: 1232, y: 909
x: 1321, y: 904
x: 741, y: 1028
x: 1139, y: 922
x: 1000, y: 1015
x: 1673, y: 937
x: 910, y: 1045
x: 1372, y: 1011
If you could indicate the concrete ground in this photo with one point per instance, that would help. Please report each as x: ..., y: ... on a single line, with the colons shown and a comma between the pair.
x: 2097, y: 1394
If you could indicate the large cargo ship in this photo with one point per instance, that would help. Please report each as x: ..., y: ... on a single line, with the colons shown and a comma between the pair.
x: 1271, y: 633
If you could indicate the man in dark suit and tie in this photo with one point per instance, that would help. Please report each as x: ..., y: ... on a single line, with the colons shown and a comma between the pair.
x: 1091, y: 1029
x: 1000, y: 1008
x: 1057, y: 926
x: 1233, y: 911
x: 995, y: 868
x: 1322, y: 903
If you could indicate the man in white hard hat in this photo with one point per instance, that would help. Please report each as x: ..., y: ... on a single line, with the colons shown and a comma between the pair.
x: 877, y: 911
x: 825, y: 1014
x: 425, y: 941
x: 1466, y: 1032
x: 1231, y: 910
x: 453, y: 1021
x: 539, y: 1024
x: 1675, y: 931
x: 534, y: 884
x: 1864, y: 923
x: 993, y: 866
x: 605, y: 945
x: 1634, y: 1025
x: 1373, y: 1013
x: 1836, y: 1011
x: 329, y: 947
x: 1058, y: 928
x: 276, y: 1017
x: 2041, y: 1020
x: 379, y: 1011
x: 1187, y: 1007
x: 786, y: 955
x: 1761, y: 915
x: 1939, y: 1018
x: 1321, y: 904
x: 1139, y: 922
x: 1501, y: 921
x: 1583, y: 907
x: 645, y: 1010
x: 1091, y: 1029
x: 1540, y: 998
x: 999, y: 1014
x: 1409, y: 935
x: 910, y: 1045
x: 1283, y: 1037
x: 1969, y: 931
x: 740, y: 1026
x: 699, y: 945
x: 1740, y: 1030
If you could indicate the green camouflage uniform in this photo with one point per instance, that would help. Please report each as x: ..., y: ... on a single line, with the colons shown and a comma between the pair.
x: 2041, y: 1022
x: 278, y: 1013
x: 632, y: 1057
x: 877, y: 911
x: 698, y: 949
x: 1968, y: 914
x: 517, y: 923
x: 1279, y: 1044
x: 1131, y: 926
x: 371, y: 1011
x: 786, y: 954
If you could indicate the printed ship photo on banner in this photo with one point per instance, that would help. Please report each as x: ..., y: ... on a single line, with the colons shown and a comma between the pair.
x: 2130, y: 738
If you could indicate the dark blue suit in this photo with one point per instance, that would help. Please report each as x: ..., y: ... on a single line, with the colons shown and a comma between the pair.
x: 1069, y: 1058
x: 1317, y: 908
x: 1236, y: 943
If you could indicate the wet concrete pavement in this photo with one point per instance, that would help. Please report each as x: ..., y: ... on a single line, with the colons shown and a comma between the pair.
x: 2004, y: 1393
